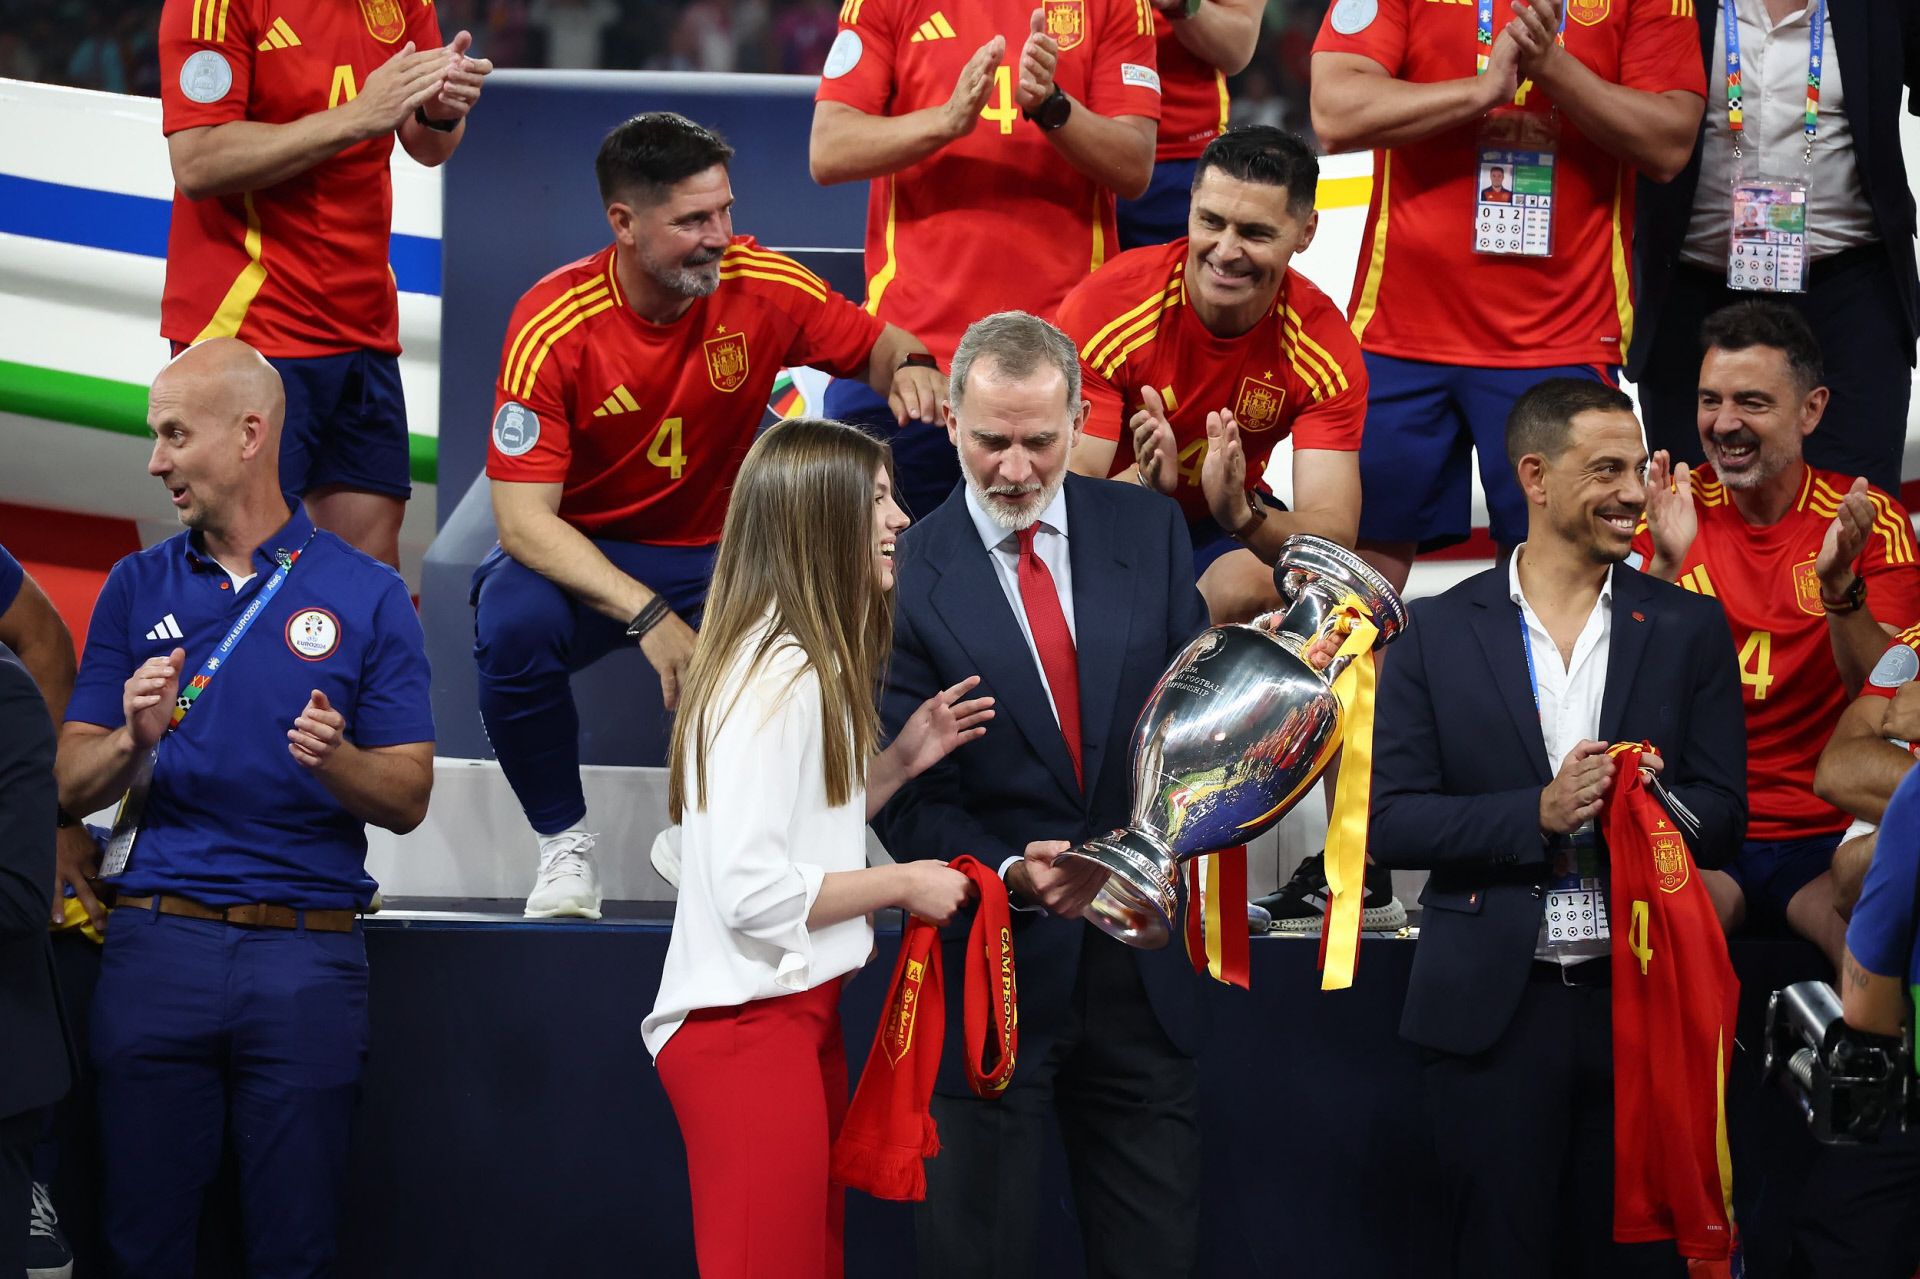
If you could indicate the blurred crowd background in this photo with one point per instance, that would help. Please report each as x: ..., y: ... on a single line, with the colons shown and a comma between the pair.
x: 110, y: 44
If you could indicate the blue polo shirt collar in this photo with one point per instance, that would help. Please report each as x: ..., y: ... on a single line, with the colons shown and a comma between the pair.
x: 290, y: 537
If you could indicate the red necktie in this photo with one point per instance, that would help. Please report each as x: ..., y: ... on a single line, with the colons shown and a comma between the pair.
x: 1053, y: 641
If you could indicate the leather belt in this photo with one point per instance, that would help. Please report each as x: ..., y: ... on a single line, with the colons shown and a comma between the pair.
x: 1597, y: 971
x: 250, y: 915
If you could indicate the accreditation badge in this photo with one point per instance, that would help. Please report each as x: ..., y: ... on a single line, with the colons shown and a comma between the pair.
x: 126, y: 819
x: 1515, y: 154
x: 1767, y: 252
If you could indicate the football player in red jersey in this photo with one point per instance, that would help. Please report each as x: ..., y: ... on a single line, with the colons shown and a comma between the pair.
x: 1804, y: 563
x: 1201, y: 43
x: 280, y: 120
x: 1461, y: 304
x: 995, y: 135
x: 1203, y: 354
x: 632, y: 383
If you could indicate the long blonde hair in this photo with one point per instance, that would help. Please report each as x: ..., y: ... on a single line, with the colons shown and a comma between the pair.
x: 797, y: 545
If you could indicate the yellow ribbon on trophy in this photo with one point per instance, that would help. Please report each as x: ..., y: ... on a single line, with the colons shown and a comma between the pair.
x: 1346, y: 859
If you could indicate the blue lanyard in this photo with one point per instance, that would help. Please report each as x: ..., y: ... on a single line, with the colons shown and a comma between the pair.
x: 1816, y: 47
x: 1526, y: 646
x: 218, y: 659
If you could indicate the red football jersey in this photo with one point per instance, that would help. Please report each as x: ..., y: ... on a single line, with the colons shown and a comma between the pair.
x: 299, y: 268
x: 1764, y: 579
x: 1421, y: 292
x: 646, y: 424
x: 1193, y: 98
x: 1675, y: 997
x: 998, y: 220
x: 1898, y: 665
x: 1298, y: 372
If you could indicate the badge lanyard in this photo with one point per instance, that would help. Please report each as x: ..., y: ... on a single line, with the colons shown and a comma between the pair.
x: 1514, y: 167
x: 1576, y: 909
x: 126, y: 822
x: 1767, y: 241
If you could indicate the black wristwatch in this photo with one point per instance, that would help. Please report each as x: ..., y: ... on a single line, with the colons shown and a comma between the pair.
x: 920, y: 360
x: 438, y: 126
x: 64, y: 820
x: 1852, y: 602
x: 1052, y: 113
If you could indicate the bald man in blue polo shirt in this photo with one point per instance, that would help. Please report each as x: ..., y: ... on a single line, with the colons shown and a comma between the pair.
x: 258, y: 690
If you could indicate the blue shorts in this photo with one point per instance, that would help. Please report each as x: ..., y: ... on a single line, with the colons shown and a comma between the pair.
x: 1159, y: 216
x: 1770, y: 872
x: 1424, y: 422
x: 346, y: 425
x: 1210, y: 541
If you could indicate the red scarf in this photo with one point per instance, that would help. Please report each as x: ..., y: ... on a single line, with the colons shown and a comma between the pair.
x: 889, y: 1131
x: 1674, y: 1000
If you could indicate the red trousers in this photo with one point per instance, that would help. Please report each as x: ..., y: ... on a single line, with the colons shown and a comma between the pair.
x: 759, y: 1092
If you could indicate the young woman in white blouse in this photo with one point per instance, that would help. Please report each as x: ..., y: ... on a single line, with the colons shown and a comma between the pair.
x: 775, y: 771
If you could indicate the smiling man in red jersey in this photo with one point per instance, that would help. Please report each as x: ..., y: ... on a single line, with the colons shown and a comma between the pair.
x: 1804, y: 562
x: 1201, y: 355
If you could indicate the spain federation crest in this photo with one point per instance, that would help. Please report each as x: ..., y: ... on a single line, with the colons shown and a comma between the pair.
x: 1259, y: 404
x: 1589, y: 13
x: 1669, y: 861
x: 384, y: 20
x: 1066, y: 22
x: 1806, y: 589
x: 726, y: 361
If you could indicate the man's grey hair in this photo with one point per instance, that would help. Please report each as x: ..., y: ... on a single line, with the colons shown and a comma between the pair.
x: 1014, y: 343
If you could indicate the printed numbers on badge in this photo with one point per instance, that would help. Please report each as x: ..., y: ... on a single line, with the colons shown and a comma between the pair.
x: 665, y: 450
x: 999, y: 107
x: 1756, y: 663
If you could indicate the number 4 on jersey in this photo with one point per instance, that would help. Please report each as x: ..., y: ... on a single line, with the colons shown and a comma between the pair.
x: 1000, y: 108
x: 665, y: 450
x: 1756, y: 663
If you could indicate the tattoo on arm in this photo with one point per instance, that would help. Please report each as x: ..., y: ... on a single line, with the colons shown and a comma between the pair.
x: 1856, y: 976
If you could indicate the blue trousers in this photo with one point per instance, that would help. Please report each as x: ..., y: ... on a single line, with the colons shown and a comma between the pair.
x: 530, y: 636
x: 1159, y: 216
x: 204, y: 1036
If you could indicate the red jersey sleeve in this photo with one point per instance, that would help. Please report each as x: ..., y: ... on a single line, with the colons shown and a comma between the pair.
x: 1327, y: 356
x: 1081, y: 317
x: 1377, y: 32
x: 1888, y: 562
x: 830, y: 332
x: 1126, y: 75
x: 530, y: 440
x: 859, y: 68
x: 1662, y: 49
x: 1897, y: 666
x: 206, y: 62
x: 423, y: 25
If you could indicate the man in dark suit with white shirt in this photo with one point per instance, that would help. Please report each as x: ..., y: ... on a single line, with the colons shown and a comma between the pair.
x: 35, y: 1068
x: 1495, y: 710
x: 1068, y: 596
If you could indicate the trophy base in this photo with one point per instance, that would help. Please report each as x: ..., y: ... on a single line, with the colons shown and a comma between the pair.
x: 1140, y: 899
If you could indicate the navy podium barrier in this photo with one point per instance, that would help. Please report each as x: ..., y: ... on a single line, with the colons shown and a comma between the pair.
x: 512, y: 1123
x: 520, y: 201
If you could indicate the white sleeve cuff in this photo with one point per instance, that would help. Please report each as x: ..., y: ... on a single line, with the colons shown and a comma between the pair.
x: 796, y: 965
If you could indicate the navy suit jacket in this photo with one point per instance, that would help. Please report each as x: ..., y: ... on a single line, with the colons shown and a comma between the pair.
x: 1878, y: 46
x: 35, y: 1065
x: 1459, y: 764
x: 1135, y: 607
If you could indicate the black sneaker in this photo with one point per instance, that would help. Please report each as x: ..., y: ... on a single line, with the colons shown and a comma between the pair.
x: 48, y: 1256
x: 1301, y: 905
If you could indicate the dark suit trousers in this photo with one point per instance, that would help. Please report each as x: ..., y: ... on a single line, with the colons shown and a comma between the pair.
x: 1128, y: 1106
x: 17, y: 1136
x: 1524, y: 1133
x: 1859, y: 1216
x: 1855, y: 313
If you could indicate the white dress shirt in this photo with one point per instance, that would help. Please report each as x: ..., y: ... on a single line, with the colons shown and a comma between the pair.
x: 1773, y: 99
x: 1050, y: 544
x: 753, y: 858
x: 1568, y: 693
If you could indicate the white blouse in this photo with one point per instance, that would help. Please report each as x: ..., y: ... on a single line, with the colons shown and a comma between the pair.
x: 753, y: 859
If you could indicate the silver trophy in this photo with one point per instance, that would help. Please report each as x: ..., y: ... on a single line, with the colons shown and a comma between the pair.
x: 1235, y: 732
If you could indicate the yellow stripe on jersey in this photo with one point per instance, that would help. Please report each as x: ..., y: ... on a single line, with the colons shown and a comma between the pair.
x: 767, y: 258
x: 531, y: 332
x: 1910, y: 637
x: 1312, y: 370
x: 738, y: 263
x: 586, y: 312
x: 850, y: 12
x: 746, y: 272
x: 1111, y: 345
x: 193, y: 25
x: 1899, y: 532
x: 1220, y: 82
x: 1622, y: 279
x: 1376, y: 256
x: 877, y: 286
x: 232, y: 311
x: 1099, y: 255
x: 1147, y: 335
x: 1335, y: 376
x: 1806, y: 487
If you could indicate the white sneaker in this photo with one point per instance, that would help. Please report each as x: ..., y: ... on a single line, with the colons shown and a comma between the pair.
x: 666, y: 855
x: 568, y: 884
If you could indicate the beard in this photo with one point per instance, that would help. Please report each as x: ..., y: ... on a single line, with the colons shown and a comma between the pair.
x: 1013, y: 519
x: 691, y: 277
x: 1767, y: 462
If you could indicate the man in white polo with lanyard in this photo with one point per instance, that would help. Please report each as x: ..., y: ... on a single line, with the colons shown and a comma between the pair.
x: 257, y: 690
